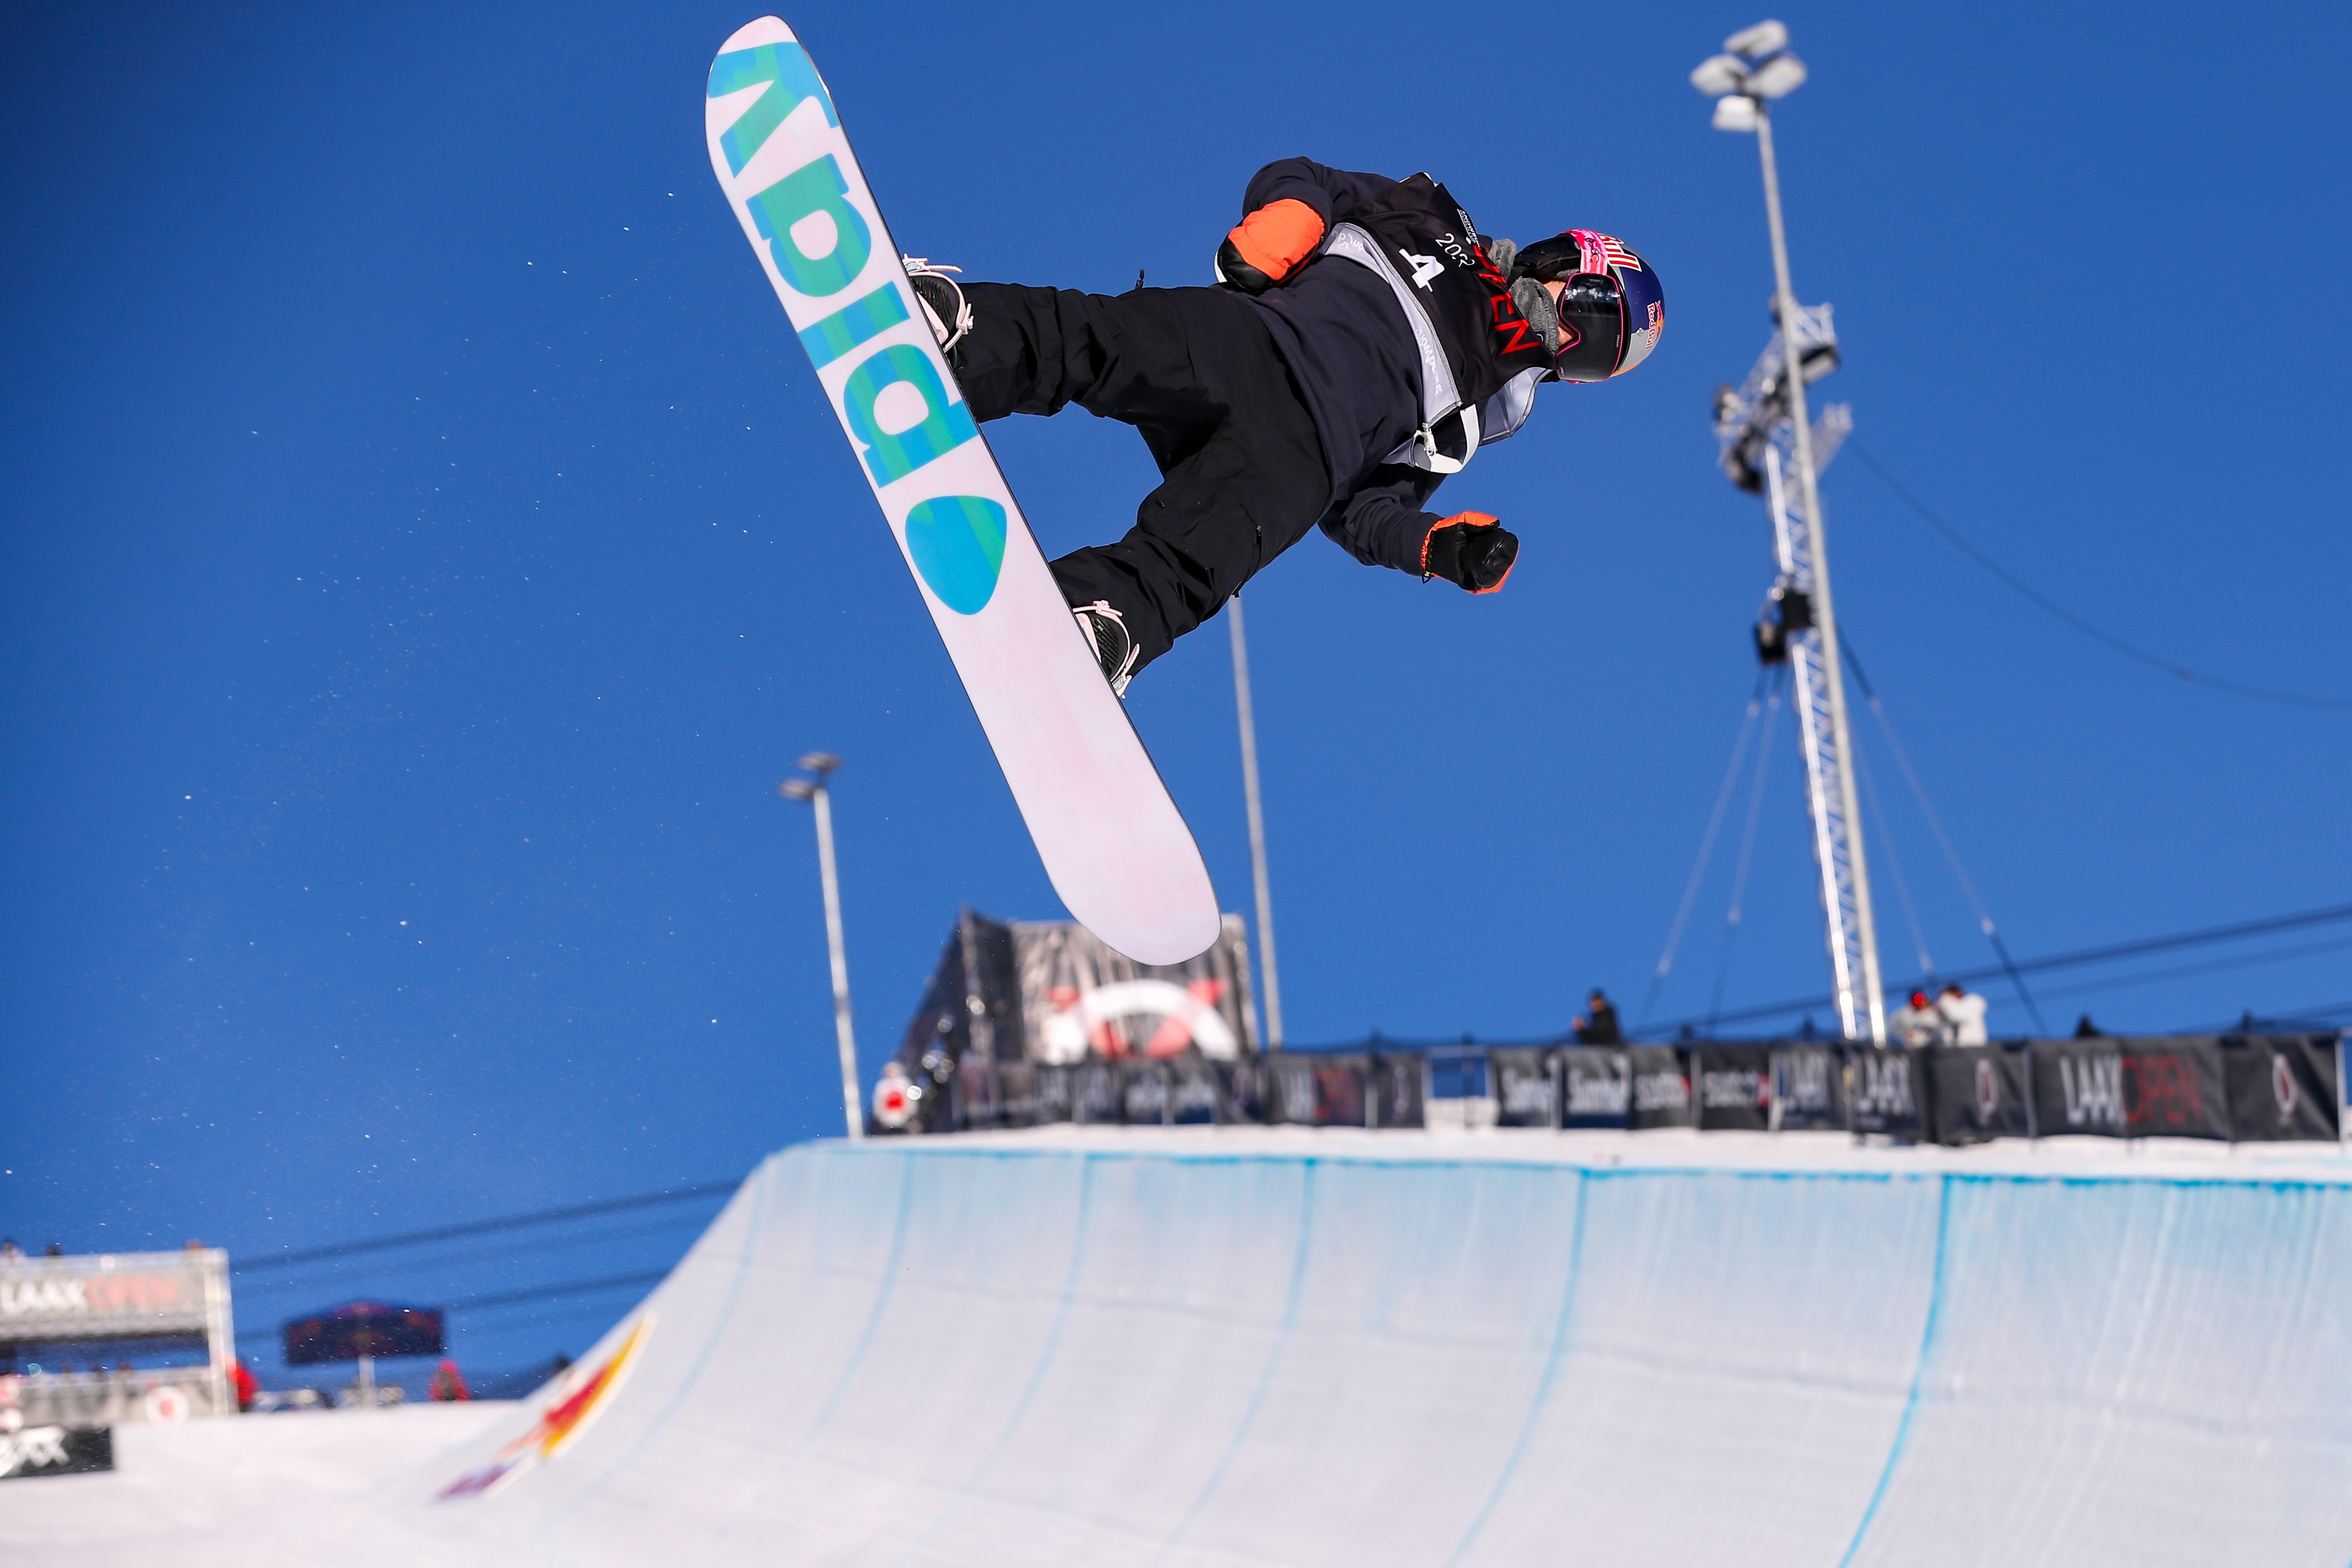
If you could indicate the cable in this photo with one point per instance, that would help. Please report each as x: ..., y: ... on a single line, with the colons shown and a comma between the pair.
x: 487, y: 1226
x: 1746, y: 855
x: 1951, y: 856
x: 2330, y: 915
x: 1706, y: 845
x: 2292, y: 1017
x: 549, y: 1292
x: 507, y: 1298
x: 2130, y: 650
x: 498, y: 1254
x: 2244, y: 961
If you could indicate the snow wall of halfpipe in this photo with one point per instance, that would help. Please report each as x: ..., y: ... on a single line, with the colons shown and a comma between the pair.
x: 1306, y: 1354
x: 1310, y: 1349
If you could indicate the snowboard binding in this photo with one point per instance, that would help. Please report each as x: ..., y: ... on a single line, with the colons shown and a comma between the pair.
x: 942, y: 300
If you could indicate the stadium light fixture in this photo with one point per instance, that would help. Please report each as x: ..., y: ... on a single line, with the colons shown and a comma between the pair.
x: 814, y: 791
x: 1719, y: 75
x: 1755, y: 69
x: 1778, y: 77
x: 1766, y: 37
x: 1758, y: 65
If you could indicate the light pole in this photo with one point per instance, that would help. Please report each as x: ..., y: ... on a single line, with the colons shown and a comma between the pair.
x: 1256, y: 828
x: 814, y: 791
x: 1755, y: 70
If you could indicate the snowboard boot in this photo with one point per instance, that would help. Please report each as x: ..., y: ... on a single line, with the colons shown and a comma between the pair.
x: 942, y: 300
x: 1107, y: 635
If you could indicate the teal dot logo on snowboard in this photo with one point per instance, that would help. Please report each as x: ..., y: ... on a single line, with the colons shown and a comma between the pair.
x: 958, y: 544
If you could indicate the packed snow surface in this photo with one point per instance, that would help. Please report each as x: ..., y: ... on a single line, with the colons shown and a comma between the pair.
x: 1230, y: 1347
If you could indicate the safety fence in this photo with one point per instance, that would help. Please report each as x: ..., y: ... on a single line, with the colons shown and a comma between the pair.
x: 2233, y: 1088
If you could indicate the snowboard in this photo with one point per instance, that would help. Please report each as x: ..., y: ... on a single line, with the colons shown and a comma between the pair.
x: 1113, y: 843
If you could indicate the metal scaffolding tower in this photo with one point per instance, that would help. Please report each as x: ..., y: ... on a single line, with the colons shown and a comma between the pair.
x: 1757, y: 432
x: 1769, y: 440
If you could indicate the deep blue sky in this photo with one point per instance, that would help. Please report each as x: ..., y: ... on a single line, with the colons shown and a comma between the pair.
x: 425, y: 548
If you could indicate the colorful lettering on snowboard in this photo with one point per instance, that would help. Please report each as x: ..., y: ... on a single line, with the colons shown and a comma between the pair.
x: 1113, y: 843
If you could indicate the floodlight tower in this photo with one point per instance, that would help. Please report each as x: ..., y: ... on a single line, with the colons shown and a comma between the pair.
x: 814, y: 791
x: 1766, y: 430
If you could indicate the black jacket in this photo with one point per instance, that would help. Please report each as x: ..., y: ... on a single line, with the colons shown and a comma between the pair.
x: 1353, y: 354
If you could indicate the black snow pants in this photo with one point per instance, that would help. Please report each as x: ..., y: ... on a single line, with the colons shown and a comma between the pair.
x: 1242, y: 472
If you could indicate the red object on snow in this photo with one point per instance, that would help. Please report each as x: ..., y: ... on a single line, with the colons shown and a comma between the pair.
x: 449, y: 1384
x: 246, y: 1385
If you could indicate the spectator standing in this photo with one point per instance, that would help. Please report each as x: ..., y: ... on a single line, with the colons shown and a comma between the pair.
x: 1964, y: 1017
x: 1597, y: 1026
x: 247, y: 1387
x: 1917, y: 1023
x: 449, y: 1384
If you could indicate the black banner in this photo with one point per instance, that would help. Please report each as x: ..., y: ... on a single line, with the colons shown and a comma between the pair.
x: 2166, y: 1088
x: 1246, y: 1087
x: 2078, y: 1088
x: 1289, y: 1090
x: 1057, y: 1095
x: 1200, y: 1092
x: 2174, y: 1088
x: 973, y: 1094
x: 1978, y: 1093
x: 1016, y: 1094
x: 1527, y: 1090
x: 1095, y: 1099
x: 362, y: 1328
x: 1143, y: 1093
x: 1808, y: 1089
x: 1735, y: 1086
x: 2282, y: 1087
x: 55, y: 1451
x: 1596, y: 1086
x: 1662, y: 1096
x: 1885, y: 1091
x: 1339, y: 1090
x: 1393, y: 1090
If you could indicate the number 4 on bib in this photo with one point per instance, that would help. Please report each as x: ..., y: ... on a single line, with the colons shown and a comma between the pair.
x: 1113, y: 843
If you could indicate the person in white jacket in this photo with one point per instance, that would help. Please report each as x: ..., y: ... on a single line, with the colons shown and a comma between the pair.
x: 1964, y: 1017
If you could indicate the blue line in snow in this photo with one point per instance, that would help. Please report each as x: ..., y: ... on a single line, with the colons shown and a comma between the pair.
x: 1543, y: 1385
x: 1036, y: 1374
x: 1927, y: 1333
x: 1629, y: 1173
x: 758, y: 1185
x: 881, y: 1306
x: 1273, y: 1360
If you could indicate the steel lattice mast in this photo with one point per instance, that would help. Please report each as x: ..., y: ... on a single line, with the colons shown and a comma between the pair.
x: 1767, y: 441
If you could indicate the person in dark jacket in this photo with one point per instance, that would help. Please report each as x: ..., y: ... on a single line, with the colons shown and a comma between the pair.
x: 1597, y: 1025
x: 1365, y: 340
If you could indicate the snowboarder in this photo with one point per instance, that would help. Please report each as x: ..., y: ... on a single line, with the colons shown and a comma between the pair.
x: 1366, y: 341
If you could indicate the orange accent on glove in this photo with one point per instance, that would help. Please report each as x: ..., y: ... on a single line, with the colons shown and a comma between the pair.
x: 1459, y: 520
x: 1466, y: 520
x: 1278, y: 237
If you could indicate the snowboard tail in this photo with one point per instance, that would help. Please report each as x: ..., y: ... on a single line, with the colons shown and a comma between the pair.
x: 1112, y: 841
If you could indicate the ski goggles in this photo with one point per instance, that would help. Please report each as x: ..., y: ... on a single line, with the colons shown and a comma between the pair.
x: 1604, y: 330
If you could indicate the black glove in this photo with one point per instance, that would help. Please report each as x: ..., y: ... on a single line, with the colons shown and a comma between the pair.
x: 1470, y: 550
